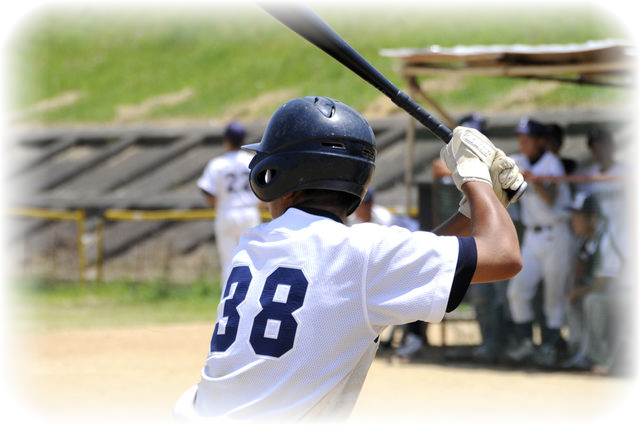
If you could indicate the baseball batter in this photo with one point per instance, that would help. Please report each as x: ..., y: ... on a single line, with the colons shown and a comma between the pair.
x: 546, y: 249
x: 225, y: 185
x: 300, y: 316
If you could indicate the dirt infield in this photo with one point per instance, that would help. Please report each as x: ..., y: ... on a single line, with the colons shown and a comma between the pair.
x: 134, y: 375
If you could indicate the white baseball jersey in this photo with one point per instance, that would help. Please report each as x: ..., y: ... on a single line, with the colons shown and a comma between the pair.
x: 546, y: 247
x: 300, y: 316
x: 604, y: 255
x: 533, y: 210
x: 611, y: 196
x: 227, y: 178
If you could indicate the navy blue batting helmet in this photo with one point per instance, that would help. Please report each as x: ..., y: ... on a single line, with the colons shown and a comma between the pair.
x: 313, y: 143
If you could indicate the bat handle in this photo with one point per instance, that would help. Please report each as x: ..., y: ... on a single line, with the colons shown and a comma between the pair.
x: 440, y: 130
x: 514, y: 195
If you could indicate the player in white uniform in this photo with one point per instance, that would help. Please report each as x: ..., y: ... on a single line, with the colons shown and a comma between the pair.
x: 225, y: 184
x: 611, y: 194
x: 299, y: 320
x: 546, y: 248
x: 601, y: 292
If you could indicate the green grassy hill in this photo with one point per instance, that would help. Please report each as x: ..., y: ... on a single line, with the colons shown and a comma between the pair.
x: 100, y: 63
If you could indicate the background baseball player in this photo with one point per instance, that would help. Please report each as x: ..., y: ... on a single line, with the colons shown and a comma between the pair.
x: 613, y: 197
x: 225, y: 185
x: 307, y: 297
x: 546, y: 249
x: 555, y: 141
x: 600, y: 294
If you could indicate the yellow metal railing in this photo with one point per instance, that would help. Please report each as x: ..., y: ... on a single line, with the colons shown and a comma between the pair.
x: 157, y: 215
x: 79, y: 216
x: 113, y: 214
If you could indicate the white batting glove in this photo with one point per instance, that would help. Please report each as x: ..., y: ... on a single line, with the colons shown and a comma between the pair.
x: 505, y: 175
x: 468, y: 156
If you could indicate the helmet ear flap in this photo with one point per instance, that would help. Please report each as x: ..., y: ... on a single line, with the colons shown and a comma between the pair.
x: 264, y: 177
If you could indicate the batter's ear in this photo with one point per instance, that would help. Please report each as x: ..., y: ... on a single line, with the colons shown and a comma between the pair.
x: 293, y: 196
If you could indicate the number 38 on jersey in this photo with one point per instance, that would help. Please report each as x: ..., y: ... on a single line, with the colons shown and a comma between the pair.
x: 273, y: 329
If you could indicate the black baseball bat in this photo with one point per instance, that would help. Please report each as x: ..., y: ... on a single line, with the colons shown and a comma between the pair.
x: 305, y: 22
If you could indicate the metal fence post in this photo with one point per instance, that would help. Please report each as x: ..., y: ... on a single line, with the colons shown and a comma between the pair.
x: 99, y: 249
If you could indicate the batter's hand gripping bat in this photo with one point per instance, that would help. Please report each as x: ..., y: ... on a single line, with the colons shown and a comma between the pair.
x: 304, y: 21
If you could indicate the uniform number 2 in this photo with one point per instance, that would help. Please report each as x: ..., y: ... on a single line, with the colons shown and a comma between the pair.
x: 274, y: 328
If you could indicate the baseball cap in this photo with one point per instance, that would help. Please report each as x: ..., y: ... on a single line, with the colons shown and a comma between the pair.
x: 473, y: 121
x: 585, y: 203
x: 599, y: 135
x: 531, y: 127
x: 555, y: 131
x: 235, y: 132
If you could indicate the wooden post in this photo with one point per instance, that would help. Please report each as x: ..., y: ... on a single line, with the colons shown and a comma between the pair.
x: 410, y: 142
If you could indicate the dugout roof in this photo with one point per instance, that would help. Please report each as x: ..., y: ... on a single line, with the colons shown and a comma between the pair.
x: 602, y: 62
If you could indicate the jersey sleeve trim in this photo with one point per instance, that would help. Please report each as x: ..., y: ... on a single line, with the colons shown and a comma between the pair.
x: 465, y: 268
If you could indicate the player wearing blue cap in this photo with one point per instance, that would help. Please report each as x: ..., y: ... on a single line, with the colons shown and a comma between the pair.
x: 546, y: 249
x: 225, y: 186
x: 300, y: 316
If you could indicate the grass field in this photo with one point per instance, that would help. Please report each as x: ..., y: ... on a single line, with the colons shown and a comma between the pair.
x: 38, y: 306
x: 237, y: 60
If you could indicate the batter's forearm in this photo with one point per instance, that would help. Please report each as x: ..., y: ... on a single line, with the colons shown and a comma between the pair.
x: 495, y: 235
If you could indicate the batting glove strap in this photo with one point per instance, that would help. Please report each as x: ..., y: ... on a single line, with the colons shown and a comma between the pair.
x: 505, y: 175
